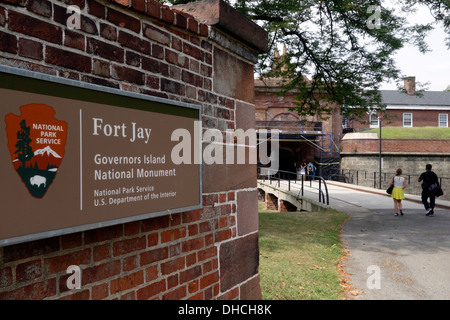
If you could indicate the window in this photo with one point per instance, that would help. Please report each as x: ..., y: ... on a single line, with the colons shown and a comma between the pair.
x: 443, y: 120
x: 374, y: 120
x: 407, y: 120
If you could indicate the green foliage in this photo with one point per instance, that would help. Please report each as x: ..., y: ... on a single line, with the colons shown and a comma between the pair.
x: 338, y: 52
x: 299, y: 253
x: 417, y: 132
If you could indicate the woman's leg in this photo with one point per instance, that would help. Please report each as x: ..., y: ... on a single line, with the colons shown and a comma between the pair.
x: 396, y: 207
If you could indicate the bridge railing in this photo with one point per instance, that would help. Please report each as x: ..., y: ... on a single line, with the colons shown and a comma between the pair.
x: 293, y: 179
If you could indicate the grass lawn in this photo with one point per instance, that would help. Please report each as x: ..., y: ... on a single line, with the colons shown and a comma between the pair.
x: 416, y: 132
x: 299, y: 253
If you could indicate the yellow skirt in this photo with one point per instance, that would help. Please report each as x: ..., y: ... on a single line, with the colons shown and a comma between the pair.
x: 397, y: 193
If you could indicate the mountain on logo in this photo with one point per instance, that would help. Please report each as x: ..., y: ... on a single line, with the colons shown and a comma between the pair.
x: 43, y: 159
x: 36, y: 166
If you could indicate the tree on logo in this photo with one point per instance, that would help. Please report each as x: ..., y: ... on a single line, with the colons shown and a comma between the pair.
x: 24, y: 150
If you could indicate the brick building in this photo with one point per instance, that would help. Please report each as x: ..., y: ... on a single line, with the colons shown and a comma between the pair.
x: 172, y: 53
x: 408, y: 109
x: 302, y: 140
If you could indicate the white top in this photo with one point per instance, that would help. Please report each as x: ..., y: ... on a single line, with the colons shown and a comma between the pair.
x: 398, y: 182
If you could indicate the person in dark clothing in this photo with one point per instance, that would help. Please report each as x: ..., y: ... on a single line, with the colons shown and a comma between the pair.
x: 428, y: 178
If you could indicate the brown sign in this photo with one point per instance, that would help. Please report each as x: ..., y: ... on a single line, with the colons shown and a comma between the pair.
x: 76, y: 157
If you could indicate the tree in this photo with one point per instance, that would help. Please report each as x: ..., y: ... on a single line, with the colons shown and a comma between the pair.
x: 338, y: 52
x: 24, y: 150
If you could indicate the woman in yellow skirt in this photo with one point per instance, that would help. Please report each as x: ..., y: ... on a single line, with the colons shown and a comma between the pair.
x: 397, y: 193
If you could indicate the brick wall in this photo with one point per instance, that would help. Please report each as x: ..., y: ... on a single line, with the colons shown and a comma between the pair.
x: 142, y: 46
x: 396, y: 145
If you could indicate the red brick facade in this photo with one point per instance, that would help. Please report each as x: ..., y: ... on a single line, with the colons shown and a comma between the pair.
x: 142, y: 46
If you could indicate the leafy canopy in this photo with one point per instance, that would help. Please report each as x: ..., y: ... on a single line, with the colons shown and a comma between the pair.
x: 338, y: 52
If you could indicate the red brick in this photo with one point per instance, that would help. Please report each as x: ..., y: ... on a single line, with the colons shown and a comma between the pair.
x: 105, y: 50
x: 62, y: 262
x: 127, y: 75
x: 101, y: 252
x: 100, y: 272
x: 30, y: 249
x: 174, y: 87
x: 123, y: 20
x: 151, y: 273
x: 21, y: 3
x: 209, y: 279
x: 173, y: 265
x: 156, y: 35
x: 125, y: 3
x: 167, y: 15
x: 34, y: 27
x: 173, y: 234
x: 154, y: 9
x: 151, y: 290
x: 133, y: 42
x: 152, y: 256
x: 192, y: 25
x: 190, y: 274
x: 35, y: 291
x: 193, y: 286
x: 78, y: 295
x: 71, y: 240
x: 101, y: 68
x: 180, y: 20
x: 41, y: 7
x: 128, y: 245
x: 139, y: 5
x: 96, y: 9
x: 130, y: 263
x: 6, y: 277
x: 191, y: 78
x: 2, y: 16
x: 127, y: 282
x: 207, y: 254
x: 8, y: 42
x: 108, y: 31
x: 88, y: 25
x: 28, y: 271
x: 193, y: 51
x: 100, y: 291
x: 193, y: 244
x: 68, y: 59
x: 74, y: 40
x: 176, y: 294
x: 153, y: 224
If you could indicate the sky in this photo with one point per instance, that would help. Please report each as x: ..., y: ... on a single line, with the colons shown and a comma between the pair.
x: 433, y: 66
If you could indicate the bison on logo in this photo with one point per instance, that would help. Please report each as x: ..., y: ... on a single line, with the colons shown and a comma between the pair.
x: 36, y: 142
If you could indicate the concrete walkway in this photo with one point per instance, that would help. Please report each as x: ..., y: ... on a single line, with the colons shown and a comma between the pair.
x: 392, y: 258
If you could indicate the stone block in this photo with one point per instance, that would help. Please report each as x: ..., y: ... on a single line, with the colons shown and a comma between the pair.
x: 239, y: 260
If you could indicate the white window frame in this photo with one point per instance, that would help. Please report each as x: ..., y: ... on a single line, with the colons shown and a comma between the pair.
x: 445, y: 115
x: 407, y: 113
x: 372, y: 122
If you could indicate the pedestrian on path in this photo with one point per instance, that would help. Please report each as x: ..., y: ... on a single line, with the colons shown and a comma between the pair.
x: 429, y: 178
x: 397, y: 193
x: 311, y: 170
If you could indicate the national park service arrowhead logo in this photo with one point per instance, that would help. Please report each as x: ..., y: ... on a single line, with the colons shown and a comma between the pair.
x: 36, y: 141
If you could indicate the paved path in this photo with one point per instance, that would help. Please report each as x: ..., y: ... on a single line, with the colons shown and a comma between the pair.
x: 411, y: 253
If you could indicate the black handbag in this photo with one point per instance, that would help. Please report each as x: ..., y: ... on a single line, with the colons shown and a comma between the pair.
x: 435, y: 190
x: 389, y: 190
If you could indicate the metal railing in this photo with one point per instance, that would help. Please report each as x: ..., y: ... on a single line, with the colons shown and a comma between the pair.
x: 295, y: 126
x: 355, y: 176
x: 292, y: 178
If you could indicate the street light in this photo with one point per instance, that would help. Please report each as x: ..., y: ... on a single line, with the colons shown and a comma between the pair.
x: 380, y: 159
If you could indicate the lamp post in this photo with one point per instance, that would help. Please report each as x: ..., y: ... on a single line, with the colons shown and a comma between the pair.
x: 380, y: 159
